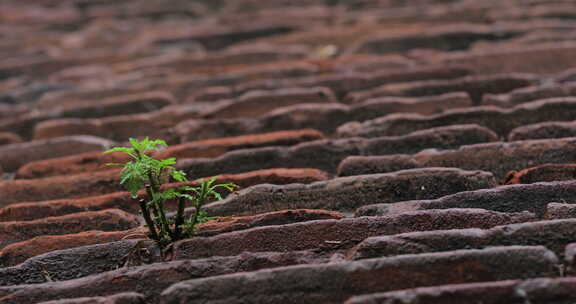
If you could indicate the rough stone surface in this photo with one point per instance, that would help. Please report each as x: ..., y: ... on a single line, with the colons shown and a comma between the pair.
x: 543, y: 130
x: 541, y: 290
x: 540, y: 59
x: 256, y: 103
x: 15, y: 155
x: 106, y: 220
x: 121, y: 298
x: 475, y: 86
x: 119, y: 105
x: 501, y: 121
x: 73, y: 164
x: 343, y: 83
x: 67, y: 186
x: 235, y: 223
x: 560, y: 211
x: 68, y: 264
x: 19, y: 252
x: 448, y: 137
x: 323, y: 117
x: 119, y: 128
x: 569, y: 259
x: 338, y: 234
x: 527, y: 94
x: 327, y: 154
x: 122, y: 200
x: 151, y: 280
x: 427, y: 105
x: 259, y: 93
x: 114, y: 106
x: 498, y: 158
x: 96, y: 161
x: 320, y: 154
x: 253, y: 104
x: 349, y: 193
x: 439, y: 37
x: 554, y: 235
x: 334, y: 283
x: 219, y: 146
x: 512, y: 198
x: 27, y: 211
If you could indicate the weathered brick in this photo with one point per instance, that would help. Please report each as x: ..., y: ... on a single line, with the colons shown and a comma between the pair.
x: 445, y: 38
x: 323, y: 117
x: 106, y: 220
x: 218, y: 146
x: 151, y: 280
x: 327, y: 154
x: 45, y: 246
x: 497, y: 157
x: 541, y: 59
x: 553, y: 129
x: 512, y: 198
x: 118, y: 105
x: 349, y: 193
x: 15, y: 155
x: 339, y: 234
x: 95, y: 161
x: 88, y: 258
x: 334, y: 283
x: 120, y: 298
x: 556, y: 211
x: 475, y: 86
x: 532, y: 93
x: 542, y: 290
x: 554, y: 235
x: 501, y: 121
x: 122, y: 200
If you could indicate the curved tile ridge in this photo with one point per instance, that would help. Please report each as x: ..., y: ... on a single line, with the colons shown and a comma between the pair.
x: 497, y: 157
x: 145, y: 279
x: 540, y: 290
x: 322, y: 117
x: 513, y: 198
x: 95, y: 161
x: 331, y: 235
x: 501, y: 121
x: 327, y: 154
x: 105, y: 220
x: 335, y: 282
x: 349, y: 193
x: 554, y: 235
x: 15, y: 155
x: 65, y: 196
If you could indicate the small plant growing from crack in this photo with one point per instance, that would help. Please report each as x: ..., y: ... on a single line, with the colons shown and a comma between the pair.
x: 144, y: 172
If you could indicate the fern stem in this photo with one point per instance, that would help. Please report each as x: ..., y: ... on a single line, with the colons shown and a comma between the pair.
x: 199, y: 202
x: 194, y: 220
x: 154, y: 184
x: 150, y: 194
x: 149, y: 222
x: 158, y: 211
x: 179, y: 221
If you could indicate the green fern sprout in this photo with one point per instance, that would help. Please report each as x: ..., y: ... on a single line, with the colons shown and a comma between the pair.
x: 144, y: 172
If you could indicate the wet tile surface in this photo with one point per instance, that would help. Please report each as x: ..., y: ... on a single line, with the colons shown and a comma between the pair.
x: 387, y: 151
